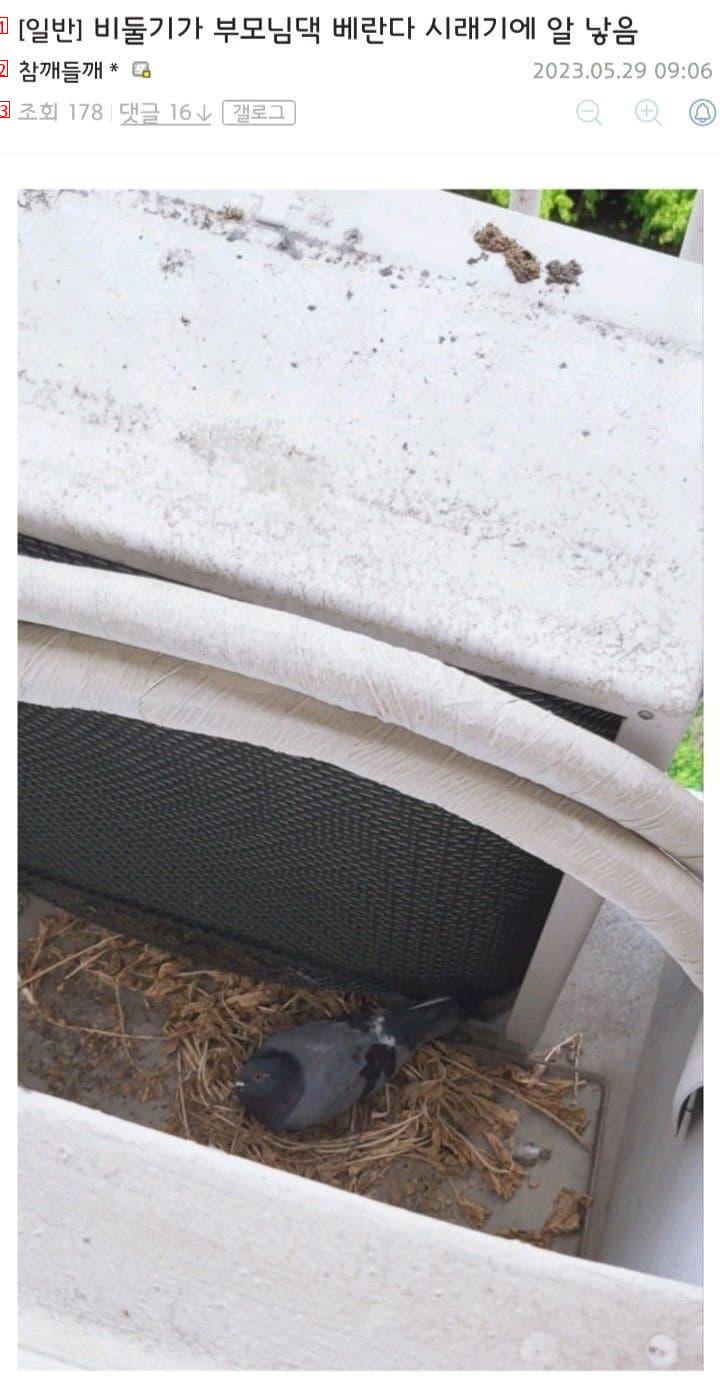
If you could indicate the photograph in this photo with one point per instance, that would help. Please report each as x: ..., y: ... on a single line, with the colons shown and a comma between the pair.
x: 360, y: 777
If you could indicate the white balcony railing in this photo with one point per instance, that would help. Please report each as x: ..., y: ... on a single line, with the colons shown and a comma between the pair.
x: 527, y: 200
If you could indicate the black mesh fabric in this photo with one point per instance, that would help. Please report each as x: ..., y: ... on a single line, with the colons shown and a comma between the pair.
x: 346, y: 882
x: 349, y: 881
x: 49, y: 550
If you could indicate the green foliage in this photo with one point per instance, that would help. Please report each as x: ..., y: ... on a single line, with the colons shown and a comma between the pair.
x: 557, y: 205
x: 687, y: 765
x: 501, y: 196
x: 662, y: 213
x: 655, y: 217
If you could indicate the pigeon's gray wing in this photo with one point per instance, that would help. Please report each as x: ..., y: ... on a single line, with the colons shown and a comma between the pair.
x: 340, y: 1063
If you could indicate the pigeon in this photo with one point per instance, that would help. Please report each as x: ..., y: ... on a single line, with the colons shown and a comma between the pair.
x: 305, y: 1076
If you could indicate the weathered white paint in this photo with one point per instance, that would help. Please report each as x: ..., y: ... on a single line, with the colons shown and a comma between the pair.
x: 502, y: 475
x: 142, y: 1250
x: 566, y: 929
x: 526, y: 200
x: 360, y: 674
x: 655, y: 1214
x: 574, y: 908
x: 609, y: 996
x: 29, y: 1360
x: 693, y: 241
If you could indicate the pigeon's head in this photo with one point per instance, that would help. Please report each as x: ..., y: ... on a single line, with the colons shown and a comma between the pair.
x: 270, y: 1076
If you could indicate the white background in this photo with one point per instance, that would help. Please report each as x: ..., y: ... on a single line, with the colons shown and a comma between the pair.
x: 450, y: 115
x: 419, y: 96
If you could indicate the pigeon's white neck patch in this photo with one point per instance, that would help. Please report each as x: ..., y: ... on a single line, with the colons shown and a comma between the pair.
x: 379, y: 1032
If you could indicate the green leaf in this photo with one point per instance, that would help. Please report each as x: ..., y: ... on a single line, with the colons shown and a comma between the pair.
x: 687, y: 765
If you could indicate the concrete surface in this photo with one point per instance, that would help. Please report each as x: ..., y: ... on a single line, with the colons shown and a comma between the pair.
x: 609, y: 997
x: 655, y: 1215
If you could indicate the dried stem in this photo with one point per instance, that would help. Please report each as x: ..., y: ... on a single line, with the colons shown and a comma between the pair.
x: 441, y: 1120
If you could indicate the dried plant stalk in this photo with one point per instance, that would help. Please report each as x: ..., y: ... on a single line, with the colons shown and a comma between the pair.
x: 566, y: 1217
x: 442, y: 1118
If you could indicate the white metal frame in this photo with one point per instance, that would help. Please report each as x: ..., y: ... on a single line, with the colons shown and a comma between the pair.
x: 575, y: 907
x: 642, y: 732
x: 528, y: 200
x: 364, y: 1285
x: 692, y: 247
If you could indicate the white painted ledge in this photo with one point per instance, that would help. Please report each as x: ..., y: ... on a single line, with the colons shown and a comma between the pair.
x: 377, y: 429
x: 140, y: 1250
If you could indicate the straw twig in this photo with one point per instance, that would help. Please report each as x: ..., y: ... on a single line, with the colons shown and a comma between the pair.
x: 444, y: 1113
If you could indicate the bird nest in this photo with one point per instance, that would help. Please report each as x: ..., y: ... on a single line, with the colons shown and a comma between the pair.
x: 173, y: 1036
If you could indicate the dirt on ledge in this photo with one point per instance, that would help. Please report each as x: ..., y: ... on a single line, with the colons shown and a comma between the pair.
x: 523, y: 264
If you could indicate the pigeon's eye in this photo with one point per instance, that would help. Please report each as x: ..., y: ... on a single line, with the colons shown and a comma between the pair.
x: 259, y: 1076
